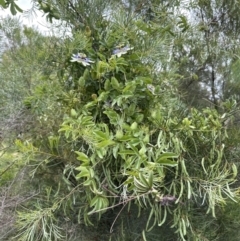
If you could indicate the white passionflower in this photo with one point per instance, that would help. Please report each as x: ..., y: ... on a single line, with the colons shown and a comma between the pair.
x: 82, y: 59
x: 119, y: 51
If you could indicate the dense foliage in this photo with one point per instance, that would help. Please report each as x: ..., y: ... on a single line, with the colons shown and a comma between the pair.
x: 126, y: 123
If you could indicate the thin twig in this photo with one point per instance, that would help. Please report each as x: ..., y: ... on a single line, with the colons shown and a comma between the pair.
x: 111, y: 229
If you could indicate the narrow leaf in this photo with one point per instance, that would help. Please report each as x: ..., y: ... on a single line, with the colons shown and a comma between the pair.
x: 82, y: 157
x: 105, y: 143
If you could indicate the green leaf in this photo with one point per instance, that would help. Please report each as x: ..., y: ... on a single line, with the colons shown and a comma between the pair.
x: 115, y: 151
x: 126, y: 152
x: 143, y: 26
x: 84, y: 172
x: 82, y: 157
x: 90, y: 104
x: 167, y: 155
x: 103, y: 96
x: 86, y: 120
x: 81, y: 82
x: 183, y: 24
x: 101, y: 152
x: 167, y: 162
x: 94, y: 201
x: 141, y: 79
x: 131, y: 109
x: 99, y: 203
x: 125, y: 138
x: 234, y: 169
x: 113, y: 116
x: 102, y: 68
x: 3, y: 3
x: 135, y: 141
x: 105, y: 143
x: 12, y: 9
x: 138, y: 117
x: 53, y: 142
x: 129, y: 89
x: 73, y: 113
x: 115, y: 83
x: 18, y: 8
x: 107, y: 85
x: 101, y: 135
x: 148, y: 182
x: 150, y: 179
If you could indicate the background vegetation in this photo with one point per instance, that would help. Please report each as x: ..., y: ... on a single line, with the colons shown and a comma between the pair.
x: 124, y: 125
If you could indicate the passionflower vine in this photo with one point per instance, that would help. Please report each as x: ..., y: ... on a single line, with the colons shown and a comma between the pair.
x: 82, y: 59
x: 119, y: 51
